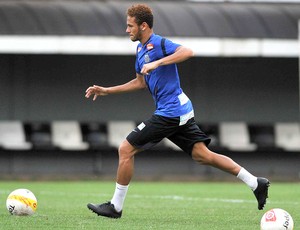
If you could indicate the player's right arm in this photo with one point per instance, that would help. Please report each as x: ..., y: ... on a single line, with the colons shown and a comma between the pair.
x: 135, y: 84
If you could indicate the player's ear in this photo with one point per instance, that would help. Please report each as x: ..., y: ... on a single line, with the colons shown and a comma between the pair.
x: 144, y: 26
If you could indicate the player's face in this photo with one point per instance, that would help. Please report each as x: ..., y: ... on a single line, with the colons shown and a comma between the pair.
x: 133, y: 29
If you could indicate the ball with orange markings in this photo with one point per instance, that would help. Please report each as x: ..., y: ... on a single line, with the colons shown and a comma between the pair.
x: 21, y: 202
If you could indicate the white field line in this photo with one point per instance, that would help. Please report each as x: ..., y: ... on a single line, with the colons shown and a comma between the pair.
x: 183, y: 198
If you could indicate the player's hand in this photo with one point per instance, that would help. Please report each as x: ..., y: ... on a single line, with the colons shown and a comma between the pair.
x: 96, y: 91
x: 149, y: 67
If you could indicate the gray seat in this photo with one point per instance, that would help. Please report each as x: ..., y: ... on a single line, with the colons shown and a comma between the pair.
x: 118, y: 131
x: 235, y: 136
x: 287, y: 135
x: 67, y: 135
x: 12, y: 136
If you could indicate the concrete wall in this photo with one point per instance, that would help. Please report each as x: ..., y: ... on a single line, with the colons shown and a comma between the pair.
x: 149, y: 165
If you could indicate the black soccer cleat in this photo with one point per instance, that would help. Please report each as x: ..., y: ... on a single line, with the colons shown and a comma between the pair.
x: 105, y: 209
x: 261, y: 192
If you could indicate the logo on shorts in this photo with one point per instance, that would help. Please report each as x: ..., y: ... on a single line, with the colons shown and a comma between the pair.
x: 141, y: 126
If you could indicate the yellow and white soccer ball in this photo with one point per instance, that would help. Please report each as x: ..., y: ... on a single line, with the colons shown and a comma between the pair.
x: 276, y: 219
x: 21, y: 202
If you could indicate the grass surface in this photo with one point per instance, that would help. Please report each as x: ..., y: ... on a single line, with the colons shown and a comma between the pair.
x: 149, y: 205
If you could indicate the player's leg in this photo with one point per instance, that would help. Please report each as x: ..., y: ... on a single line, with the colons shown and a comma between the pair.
x: 124, y: 173
x: 113, y: 208
x: 203, y: 155
x: 258, y: 185
x: 193, y: 141
x: 144, y: 136
x: 126, y: 162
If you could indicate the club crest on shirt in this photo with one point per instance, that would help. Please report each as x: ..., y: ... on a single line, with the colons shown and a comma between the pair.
x: 150, y: 46
x: 147, y: 58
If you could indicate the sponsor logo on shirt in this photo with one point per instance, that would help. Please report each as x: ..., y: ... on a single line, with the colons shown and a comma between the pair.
x: 147, y: 58
x: 139, y: 49
x: 150, y: 46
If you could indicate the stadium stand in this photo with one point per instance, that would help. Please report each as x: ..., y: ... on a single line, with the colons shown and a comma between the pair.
x: 183, y: 18
x: 74, y: 135
x: 100, y: 157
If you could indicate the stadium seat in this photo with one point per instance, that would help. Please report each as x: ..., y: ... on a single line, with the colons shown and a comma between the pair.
x: 12, y: 136
x: 95, y: 134
x: 118, y: 131
x: 287, y: 135
x: 263, y: 136
x: 67, y: 135
x: 39, y: 135
x: 235, y: 136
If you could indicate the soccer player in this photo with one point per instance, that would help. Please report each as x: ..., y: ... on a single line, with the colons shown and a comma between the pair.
x: 156, y: 69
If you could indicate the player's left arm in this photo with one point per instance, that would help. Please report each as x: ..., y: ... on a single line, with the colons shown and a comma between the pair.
x: 181, y: 54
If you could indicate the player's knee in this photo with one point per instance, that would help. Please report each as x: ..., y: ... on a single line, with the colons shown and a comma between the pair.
x: 202, y: 154
x: 126, y: 150
x: 123, y: 150
x: 201, y: 158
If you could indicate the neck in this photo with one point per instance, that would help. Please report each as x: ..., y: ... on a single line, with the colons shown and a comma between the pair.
x: 146, y: 36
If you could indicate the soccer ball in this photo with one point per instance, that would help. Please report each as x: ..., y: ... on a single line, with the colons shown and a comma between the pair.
x: 21, y: 202
x: 277, y: 219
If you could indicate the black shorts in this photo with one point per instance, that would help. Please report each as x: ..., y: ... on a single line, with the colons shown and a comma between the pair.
x: 150, y: 132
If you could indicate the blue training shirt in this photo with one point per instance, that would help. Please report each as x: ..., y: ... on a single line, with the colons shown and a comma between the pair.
x: 163, y: 82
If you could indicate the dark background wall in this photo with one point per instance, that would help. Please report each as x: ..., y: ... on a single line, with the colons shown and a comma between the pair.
x: 52, y: 87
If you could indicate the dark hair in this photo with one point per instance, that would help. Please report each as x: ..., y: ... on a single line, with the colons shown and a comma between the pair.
x: 141, y: 13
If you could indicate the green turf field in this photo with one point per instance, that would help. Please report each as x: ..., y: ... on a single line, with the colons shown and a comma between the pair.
x: 149, y: 205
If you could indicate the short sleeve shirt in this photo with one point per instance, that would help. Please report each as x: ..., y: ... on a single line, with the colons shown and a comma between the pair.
x: 163, y: 82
